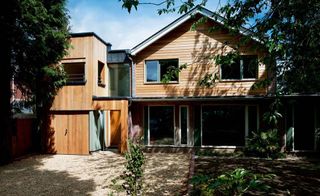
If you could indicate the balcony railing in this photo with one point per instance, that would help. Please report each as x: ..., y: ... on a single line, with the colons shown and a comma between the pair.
x: 76, y: 79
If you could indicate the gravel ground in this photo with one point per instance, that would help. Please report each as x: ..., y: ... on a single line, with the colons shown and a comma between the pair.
x: 96, y: 174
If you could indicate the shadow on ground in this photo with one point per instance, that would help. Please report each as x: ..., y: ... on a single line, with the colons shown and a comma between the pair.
x: 166, y: 174
x: 27, y: 177
x: 294, y: 177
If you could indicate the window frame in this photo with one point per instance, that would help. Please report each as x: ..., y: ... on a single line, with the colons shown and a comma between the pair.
x: 112, y: 87
x: 174, y: 127
x: 159, y: 72
x: 188, y: 125
x: 101, y: 74
x: 84, y: 81
x: 241, y: 71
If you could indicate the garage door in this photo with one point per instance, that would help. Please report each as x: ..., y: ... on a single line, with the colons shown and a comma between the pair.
x: 71, y: 133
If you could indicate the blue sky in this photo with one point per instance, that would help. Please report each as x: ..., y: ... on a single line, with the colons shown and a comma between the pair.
x: 115, y: 25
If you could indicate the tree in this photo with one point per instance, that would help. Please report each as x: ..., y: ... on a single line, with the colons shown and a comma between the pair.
x: 34, y: 37
x: 288, y: 29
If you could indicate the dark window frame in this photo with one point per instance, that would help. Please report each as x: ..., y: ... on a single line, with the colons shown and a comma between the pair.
x: 149, y: 141
x: 160, y: 72
x: 80, y: 79
x: 241, y: 70
x: 101, y: 80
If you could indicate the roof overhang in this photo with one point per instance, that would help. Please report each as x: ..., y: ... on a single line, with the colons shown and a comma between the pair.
x: 196, y: 10
x: 204, y: 98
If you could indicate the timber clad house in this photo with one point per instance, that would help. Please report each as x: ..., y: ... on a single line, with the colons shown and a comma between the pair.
x: 112, y: 93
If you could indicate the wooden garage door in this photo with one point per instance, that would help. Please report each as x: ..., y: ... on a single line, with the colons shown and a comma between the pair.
x: 71, y: 133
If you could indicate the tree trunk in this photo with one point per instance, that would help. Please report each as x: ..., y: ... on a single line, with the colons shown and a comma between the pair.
x: 7, y: 26
x: 5, y: 94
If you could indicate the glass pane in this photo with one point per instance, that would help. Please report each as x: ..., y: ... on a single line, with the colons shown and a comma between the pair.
x: 74, y: 71
x: 161, y: 125
x: 167, y: 65
x: 231, y: 71
x: 223, y: 125
x: 119, y: 80
x: 250, y: 66
x: 184, y: 125
x: 152, y: 71
x: 252, y: 117
x: 304, y: 126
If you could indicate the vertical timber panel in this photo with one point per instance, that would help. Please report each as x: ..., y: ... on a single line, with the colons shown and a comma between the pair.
x: 124, y: 126
x: 115, y: 131
x: 71, y: 133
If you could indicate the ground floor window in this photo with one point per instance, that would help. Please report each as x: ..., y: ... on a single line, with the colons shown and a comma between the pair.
x: 184, y: 125
x: 161, y: 125
x: 223, y: 125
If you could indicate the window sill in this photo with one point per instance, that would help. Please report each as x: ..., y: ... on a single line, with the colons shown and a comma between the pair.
x: 76, y: 83
x: 239, y: 80
x: 102, y: 85
x: 160, y: 83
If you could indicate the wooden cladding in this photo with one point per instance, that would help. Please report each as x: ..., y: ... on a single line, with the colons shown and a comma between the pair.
x: 87, y: 74
x: 71, y: 133
x: 115, y: 132
x: 195, y: 49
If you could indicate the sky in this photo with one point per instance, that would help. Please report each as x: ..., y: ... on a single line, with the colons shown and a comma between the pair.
x: 115, y: 25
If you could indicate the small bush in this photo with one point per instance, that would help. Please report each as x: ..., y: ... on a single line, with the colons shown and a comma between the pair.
x: 264, y: 144
x: 236, y: 182
x: 134, y: 169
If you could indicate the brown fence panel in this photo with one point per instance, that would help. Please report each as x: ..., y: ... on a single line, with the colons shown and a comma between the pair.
x: 22, y: 137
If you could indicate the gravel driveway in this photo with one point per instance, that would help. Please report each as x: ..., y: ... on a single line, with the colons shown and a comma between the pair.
x: 96, y: 174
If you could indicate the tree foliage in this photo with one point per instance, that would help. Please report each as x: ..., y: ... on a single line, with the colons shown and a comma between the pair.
x: 35, y: 38
x: 288, y: 29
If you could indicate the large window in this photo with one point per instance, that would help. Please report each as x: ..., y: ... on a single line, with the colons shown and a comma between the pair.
x: 119, y: 79
x: 161, y: 125
x: 75, y: 73
x: 245, y: 67
x: 156, y: 69
x: 223, y: 125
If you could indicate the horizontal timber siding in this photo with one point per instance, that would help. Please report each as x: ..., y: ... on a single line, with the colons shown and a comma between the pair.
x: 193, y: 48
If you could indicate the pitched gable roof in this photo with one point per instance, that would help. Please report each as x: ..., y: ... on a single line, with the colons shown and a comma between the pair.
x: 196, y: 10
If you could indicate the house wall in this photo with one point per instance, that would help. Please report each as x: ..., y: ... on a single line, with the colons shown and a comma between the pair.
x: 89, y: 50
x: 99, y: 54
x: 70, y: 122
x: 194, y: 48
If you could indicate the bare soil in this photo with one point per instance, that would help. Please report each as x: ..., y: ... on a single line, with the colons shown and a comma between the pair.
x: 294, y: 176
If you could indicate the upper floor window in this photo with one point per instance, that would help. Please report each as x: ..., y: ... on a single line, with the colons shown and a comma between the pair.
x: 75, y: 72
x: 245, y: 67
x: 101, y: 74
x: 155, y: 70
x: 119, y: 80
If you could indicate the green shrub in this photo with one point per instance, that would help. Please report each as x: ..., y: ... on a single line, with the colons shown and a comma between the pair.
x: 264, y: 144
x: 236, y: 182
x: 134, y: 169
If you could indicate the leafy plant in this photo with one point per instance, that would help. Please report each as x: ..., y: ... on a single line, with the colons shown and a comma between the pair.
x: 172, y: 73
x: 134, y: 169
x: 264, y: 144
x: 236, y: 182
